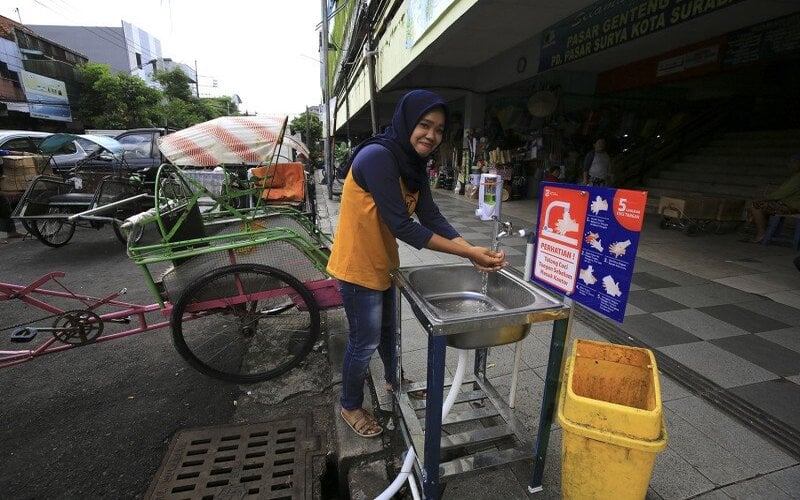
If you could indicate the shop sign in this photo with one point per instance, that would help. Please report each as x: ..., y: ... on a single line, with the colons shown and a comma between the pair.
x: 586, y: 244
x: 685, y: 62
x: 773, y: 39
x: 46, y: 97
x: 607, y: 24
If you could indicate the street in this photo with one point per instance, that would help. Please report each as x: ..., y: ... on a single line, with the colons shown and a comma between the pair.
x: 96, y: 421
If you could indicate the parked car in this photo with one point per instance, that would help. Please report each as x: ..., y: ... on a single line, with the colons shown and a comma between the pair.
x: 140, y: 148
x: 28, y: 141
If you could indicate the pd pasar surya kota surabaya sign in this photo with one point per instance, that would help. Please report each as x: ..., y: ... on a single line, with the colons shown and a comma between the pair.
x: 607, y: 24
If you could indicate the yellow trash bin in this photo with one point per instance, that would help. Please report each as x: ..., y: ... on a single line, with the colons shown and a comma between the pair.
x: 612, y: 421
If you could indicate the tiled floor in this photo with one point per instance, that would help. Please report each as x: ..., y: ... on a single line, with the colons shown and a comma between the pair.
x: 709, y: 314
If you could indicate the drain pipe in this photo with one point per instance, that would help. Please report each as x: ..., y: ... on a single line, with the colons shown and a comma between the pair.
x: 408, y: 464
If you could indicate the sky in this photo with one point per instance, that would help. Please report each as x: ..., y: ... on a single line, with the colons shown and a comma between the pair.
x: 265, y: 51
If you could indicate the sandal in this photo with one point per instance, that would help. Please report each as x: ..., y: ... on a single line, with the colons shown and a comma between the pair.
x: 363, y: 424
x: 420, y: 394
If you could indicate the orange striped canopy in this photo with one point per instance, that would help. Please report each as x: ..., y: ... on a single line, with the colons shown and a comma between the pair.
x: 228, y: 140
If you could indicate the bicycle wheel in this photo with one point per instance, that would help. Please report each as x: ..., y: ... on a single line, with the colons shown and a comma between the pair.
x: 54, y: 232
x: 245, y: 323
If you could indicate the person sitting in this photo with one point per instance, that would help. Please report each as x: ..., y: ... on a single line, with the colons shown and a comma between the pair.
x: 785, y: 200
x: 553, y: 173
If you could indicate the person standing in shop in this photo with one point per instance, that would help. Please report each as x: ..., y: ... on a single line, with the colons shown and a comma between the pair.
x: 386, y: 183
x: 597, y: 165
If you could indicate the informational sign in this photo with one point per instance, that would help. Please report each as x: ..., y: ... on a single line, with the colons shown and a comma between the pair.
x: 47, y: 97
x: 778, y: 38
x: 603, y: 25
x: 586, y: 244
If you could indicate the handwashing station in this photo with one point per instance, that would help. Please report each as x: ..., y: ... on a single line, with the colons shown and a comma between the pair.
x: 472, y: 311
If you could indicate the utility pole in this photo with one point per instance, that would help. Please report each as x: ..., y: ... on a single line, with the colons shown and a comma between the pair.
x: 326, y: 99
x: 196, y: 79
x: 308, y: 135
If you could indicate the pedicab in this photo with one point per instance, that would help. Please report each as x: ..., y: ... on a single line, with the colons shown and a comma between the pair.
x: 53, y: 206
x: 251, y: 279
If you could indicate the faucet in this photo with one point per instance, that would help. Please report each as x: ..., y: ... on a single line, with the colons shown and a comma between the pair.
x: 497, y: 233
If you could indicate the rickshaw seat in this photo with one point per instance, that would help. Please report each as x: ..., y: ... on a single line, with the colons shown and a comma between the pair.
x: 282, y: 182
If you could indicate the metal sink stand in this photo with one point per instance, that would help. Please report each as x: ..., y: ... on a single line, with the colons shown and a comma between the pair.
x: 427, y: 440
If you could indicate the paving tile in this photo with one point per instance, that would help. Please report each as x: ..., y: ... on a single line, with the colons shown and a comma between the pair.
x: 680, y: 278
x: 773, y: 309
x: 650, y: 302
x: 761, y: 283
x: 762, y: 352
x: 780, y: 398
x: 713, y: 461
x: 708, y: 294
x: 649, y: 281
x: 712, y: 495
x: 582, y: 331
x: 795, y: 379
x: 674, y: 477
x: 731, y: 435
x: 788, y: 480
x: 700, y: 324
x: 718, y: 365
x: 471, y: 235
x: 656, y: 332
x: 632, y: 310
x: 746, y: 320
x: 535, y: 354
x: 671, y: 389
x: 528, y: 402
x: 760, y: 488
x: 789, y: 298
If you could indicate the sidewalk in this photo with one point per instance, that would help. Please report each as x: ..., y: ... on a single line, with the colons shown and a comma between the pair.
x: 723, y: 319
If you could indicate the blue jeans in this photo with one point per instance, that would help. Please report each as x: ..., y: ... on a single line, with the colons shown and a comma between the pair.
x: 373, y: 325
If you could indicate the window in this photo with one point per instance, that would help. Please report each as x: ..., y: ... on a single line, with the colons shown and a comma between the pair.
x: 21, y: 144
x: 138, y: 60
x: 137, y: 145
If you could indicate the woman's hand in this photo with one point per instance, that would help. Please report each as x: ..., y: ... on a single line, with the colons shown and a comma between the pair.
x: 485, y: 260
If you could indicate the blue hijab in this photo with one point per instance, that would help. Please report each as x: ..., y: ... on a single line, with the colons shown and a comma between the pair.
x: 397, y: 136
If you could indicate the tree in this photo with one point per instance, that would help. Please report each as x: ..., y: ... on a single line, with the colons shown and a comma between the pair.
x: 175, y: 84
x: 115, y: 101
x: 122, y: 101
x: 309, y: 126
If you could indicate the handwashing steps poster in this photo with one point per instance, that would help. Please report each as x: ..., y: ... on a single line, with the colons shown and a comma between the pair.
x: 586, y: 244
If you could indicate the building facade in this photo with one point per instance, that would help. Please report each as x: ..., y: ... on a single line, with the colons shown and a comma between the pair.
x: 544, y: 78
x: 38, y: 79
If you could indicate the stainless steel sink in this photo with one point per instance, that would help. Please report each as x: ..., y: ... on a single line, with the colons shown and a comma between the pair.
x: 450, y: 300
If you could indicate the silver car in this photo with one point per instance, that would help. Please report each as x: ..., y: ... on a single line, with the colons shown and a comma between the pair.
x: 28, y: 141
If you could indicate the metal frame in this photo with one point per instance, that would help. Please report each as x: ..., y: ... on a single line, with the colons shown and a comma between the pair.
x: 428, y: 443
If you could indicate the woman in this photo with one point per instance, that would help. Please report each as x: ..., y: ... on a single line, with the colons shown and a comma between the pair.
x: 386, y: 183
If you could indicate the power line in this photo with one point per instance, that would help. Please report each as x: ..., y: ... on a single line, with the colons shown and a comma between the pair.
x: 113, y: 41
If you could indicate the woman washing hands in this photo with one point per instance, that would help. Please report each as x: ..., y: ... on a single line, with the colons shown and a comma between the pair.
x: 386, y: 184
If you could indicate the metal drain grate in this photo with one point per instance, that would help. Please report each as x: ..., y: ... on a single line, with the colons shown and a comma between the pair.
x: 271, y: 460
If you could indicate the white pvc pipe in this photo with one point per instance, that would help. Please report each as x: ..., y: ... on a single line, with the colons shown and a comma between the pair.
x: 408, y: 463
x: 405, y: 472
x: 458, y: 379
